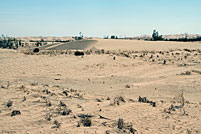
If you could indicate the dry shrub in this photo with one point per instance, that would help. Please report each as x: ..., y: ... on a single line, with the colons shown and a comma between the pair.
x: 117, y: 100
x: 179, y: 98
x: 85, y: 120
x: 125, y: 127
x: 57, y: 124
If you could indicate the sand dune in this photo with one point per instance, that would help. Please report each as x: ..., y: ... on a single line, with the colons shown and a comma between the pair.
x: 75, y: 45
x: 144, y: 45
x: 99, y: 92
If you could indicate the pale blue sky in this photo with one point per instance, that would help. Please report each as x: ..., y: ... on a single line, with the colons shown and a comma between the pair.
x: 99, y: 17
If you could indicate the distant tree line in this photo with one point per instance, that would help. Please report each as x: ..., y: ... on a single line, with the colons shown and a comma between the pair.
x: 9, y: 42
x: 111, y: 37
x: 157, y: 37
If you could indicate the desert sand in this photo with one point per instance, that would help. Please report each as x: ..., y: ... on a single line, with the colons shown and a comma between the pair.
x: 102, y: 92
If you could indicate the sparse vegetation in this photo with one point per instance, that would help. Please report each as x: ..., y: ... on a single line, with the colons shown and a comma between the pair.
x: 9, y: 103
x: 117, y: 100
x: 145, y: 100
x: 125, y: 127
x: 9, y: 42
x: 114, y: 37
x: 85, y: 120
x: 57, y: 124
x: 15, y: 112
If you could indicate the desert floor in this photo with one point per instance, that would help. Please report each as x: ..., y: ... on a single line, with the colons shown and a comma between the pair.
x: 98, y: 93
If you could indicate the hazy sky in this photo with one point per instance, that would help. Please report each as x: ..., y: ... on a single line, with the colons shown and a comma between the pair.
x: 99, y: 17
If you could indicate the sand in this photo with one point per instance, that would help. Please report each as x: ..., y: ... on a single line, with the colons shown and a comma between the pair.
x: 103, y: 88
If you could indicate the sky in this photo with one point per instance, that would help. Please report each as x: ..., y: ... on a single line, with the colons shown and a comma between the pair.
x: 98, y: 18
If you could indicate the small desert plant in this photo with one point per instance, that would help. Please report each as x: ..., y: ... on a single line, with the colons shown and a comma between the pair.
x: 9, y: 103
x: 48, y: 117
x: 128, y: 86
x: 126, y: 127
x: 15, y: 112
x: 48, y: 103
x: 57, y: 124
x: 117, y: 100
x: 120, y: 123
x: 86, y: 122
x: 180, y: 98
x: 65, y: 111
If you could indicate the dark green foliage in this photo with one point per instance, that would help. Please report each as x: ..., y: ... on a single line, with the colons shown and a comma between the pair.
x: 9, y: 42
x: 114, y: 37
x: 156, y: 36
x: 185, y: 39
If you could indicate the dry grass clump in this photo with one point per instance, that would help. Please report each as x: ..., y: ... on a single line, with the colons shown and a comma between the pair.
x: 9, y: 103
x: 117, y: 100
x: 125, y: 127
x: 85, y: 120
x: 63, y: 110
x: 48, y: 116
x: 127, y: 86
x: 5, y: 85
x: 186, y: 73
x: 145, y: 100
x: 179, y: 98
x: 48, y: 103
x: 57, y: 124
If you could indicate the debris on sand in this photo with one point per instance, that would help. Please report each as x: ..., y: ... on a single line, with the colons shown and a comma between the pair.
x: 15, y: 112
x: 102, y: 117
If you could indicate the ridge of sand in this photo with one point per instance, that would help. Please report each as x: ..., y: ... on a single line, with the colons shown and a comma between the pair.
x: 106, y: 84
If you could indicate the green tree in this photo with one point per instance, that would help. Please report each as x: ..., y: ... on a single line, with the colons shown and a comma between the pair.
x: 156, y: 36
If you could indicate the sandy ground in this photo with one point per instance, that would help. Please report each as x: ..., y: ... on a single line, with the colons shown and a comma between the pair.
x: 61, y: 93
